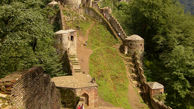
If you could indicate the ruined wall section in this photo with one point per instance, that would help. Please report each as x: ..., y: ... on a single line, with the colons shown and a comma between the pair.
x: 31, y: 89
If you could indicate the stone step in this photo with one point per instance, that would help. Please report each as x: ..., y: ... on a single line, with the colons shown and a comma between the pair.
x: 77, y: 70
x: 72, y: 56
x: 75, y: 63
x: 74, y: 60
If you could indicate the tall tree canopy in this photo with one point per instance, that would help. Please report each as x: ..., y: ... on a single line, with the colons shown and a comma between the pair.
x: 168, y: 34
x: 26, y: 37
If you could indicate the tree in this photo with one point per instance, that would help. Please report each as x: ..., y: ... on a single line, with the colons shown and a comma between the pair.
x: 26, y: 39
x: 168, y: 34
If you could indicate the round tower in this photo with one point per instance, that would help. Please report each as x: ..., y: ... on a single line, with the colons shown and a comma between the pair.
x: 134, y: 44
x: 72, y: 3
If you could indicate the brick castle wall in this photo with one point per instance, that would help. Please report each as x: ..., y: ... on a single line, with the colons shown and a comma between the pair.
x: 32, y: 89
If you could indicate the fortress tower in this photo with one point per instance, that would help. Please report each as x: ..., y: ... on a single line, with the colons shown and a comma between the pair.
x: 76, y: 3
x: 66, y: 41
x: 134, y: 44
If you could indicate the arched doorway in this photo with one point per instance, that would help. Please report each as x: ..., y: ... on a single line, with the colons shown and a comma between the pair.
x: 85, y: 99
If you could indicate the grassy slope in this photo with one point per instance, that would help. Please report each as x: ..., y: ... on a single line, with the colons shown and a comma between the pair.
x: 107, y: 67
x: 105, y: 63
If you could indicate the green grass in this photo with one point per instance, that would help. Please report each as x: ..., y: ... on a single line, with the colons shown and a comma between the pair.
x: 83, y: 26
x: 76, y: 21
x: 73, y: 19
x: 105, y: 63
x: 100, y: 37
x: 107, y: 67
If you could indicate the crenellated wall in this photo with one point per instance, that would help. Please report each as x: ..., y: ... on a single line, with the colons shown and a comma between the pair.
x: 106, y: 12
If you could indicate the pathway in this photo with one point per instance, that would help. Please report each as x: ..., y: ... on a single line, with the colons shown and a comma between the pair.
x: 84, y: 53
x: 135, y: 101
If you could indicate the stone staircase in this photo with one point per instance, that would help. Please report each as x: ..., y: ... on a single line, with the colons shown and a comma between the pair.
x: 117, y: 26
x: 74, y: 62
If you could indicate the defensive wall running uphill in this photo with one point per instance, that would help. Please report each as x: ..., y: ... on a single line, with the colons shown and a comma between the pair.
x: 32, y: 89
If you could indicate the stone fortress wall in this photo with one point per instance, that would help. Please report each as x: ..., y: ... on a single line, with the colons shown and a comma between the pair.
x: 134, y: 47
x: 145, y: 87
x: 106, y: 12
x: 30, y: 89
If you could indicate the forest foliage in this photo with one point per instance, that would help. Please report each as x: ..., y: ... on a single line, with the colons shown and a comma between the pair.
x: 26, y: 37
x: 169, y: 40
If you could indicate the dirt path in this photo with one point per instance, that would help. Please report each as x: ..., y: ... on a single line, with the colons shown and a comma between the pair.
x: 135, y: 100
x: 83, y: 51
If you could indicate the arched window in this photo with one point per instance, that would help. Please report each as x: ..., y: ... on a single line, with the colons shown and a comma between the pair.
x: 72, y: 38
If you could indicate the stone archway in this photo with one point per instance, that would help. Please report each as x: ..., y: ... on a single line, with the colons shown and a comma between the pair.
x: 85, y: 99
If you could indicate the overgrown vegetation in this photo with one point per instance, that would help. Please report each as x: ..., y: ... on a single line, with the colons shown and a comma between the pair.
x: 168, y: 34
x: 26, y: 37
x: 107, y: 67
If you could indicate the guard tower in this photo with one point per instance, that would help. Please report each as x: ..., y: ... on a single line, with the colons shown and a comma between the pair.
x: 134, y: 44
x: 71, y: 3
x: 66, y: 41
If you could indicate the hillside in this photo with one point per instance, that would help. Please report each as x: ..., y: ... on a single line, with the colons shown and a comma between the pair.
x: 105, y: 64
x: 102, y: 54
x: 168, y: 34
